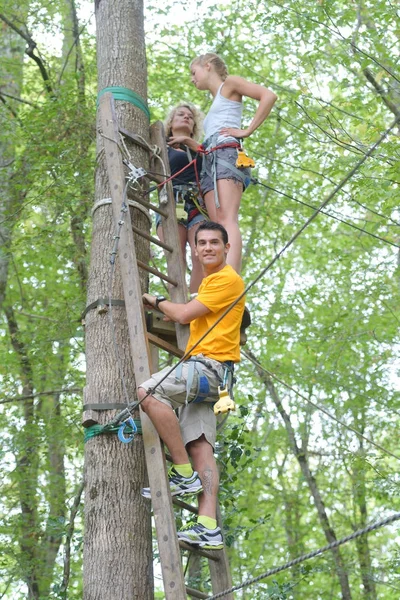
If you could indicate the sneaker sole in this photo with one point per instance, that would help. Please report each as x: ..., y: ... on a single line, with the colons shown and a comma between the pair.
x: 203, y: 545
x: 175, y: 493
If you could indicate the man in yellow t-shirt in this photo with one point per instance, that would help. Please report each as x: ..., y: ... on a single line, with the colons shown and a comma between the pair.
x: 198, y: 379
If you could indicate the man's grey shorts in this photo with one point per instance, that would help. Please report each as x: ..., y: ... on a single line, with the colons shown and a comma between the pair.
x: 229, y: 155
x: 195, y: 419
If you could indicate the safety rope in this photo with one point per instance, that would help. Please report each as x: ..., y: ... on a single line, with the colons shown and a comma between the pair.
x: 256, y: 181
x: 313, y: 554
x: 277, y: 256
x: 317, y: 406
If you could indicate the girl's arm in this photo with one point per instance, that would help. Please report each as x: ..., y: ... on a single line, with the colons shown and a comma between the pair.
x: 236, y: 87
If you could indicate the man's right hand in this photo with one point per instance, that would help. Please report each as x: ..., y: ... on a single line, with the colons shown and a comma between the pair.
x: 149, y: 301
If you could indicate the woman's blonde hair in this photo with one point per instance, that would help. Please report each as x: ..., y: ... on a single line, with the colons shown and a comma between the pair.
x: 197, y: 116
x: 217, y: 62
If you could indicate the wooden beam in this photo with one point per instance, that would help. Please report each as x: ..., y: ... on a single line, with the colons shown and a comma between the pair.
x: 175, y: 260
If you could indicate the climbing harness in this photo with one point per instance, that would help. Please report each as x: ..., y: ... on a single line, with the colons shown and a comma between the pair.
x: 209, y: 148
x: 185, y: 195
x: 195, y: 365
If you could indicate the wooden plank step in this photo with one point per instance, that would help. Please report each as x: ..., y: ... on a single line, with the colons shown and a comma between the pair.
x: 196, y: 593
x: 156, y: 324
x: 164, y: 345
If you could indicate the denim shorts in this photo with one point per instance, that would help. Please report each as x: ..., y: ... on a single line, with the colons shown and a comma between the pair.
x: 229, y: 155
x: 197, y: 217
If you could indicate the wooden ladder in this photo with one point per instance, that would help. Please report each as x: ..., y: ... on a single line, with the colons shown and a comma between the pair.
x: 140, y: 338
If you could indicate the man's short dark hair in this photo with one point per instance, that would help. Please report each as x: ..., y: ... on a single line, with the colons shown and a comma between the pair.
x: 212, y: 226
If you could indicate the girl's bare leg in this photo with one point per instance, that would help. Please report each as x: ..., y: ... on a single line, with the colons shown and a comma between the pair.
x: 229, y: 195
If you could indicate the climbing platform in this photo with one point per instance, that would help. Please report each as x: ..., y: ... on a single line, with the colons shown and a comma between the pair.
x: 147, y: 332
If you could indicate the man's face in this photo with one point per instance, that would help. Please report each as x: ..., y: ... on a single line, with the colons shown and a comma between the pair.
x: 210, y: 248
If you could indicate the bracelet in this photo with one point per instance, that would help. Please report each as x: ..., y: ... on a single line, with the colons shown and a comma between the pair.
x: 158, y: 300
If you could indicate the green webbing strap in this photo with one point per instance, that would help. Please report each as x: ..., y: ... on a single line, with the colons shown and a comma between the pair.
x: 127, y: 95
x: 94, y: 430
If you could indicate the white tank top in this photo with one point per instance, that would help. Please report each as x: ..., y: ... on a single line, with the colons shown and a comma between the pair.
x: 223, y: 113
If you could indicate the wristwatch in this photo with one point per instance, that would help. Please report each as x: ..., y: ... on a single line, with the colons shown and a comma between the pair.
x: 159, y: 299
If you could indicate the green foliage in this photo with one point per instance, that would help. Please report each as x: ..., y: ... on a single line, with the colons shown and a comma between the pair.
x: 325, y: 316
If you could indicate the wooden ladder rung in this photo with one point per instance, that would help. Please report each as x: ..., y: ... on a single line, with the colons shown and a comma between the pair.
x: 156, y: 177
x: 196, y: 593
x: 152, y: 239
x: 136, y: 139
x: 164, y: 345
x: 210, y: 554
x: 156, y: 272
x: 150, y: 206
x: 185, y: 506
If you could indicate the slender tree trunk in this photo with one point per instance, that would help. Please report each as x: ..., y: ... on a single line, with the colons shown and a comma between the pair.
x: 360, y: 509
x: 302, y: 459
x: 118, y: 546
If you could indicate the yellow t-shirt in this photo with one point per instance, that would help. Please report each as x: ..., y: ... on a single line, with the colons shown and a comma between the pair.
x: 217, y: 292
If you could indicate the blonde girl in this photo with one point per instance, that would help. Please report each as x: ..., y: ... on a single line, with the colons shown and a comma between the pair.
x: 222, y: 183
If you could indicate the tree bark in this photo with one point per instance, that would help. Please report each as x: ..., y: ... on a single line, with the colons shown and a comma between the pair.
x: 118, y: 560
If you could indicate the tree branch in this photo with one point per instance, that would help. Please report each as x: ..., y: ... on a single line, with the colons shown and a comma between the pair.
x: 37, y: 394
x: 68, y: 538
x: 30, y: 52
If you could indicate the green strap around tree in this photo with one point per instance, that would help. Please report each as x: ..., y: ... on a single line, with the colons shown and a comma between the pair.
x: 94, y: 430
x: 127, y: 95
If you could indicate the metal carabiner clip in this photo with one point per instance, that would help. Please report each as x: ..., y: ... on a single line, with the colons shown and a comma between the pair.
x: 121, y: 435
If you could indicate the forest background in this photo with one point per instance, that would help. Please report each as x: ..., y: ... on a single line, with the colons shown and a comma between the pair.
x: 323, y: 349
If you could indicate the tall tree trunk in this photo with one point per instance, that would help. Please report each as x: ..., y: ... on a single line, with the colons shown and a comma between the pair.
x: 118, y: 547
x: 301, y: 456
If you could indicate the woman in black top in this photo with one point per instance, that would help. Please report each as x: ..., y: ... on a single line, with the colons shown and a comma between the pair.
x: 184, y: 120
